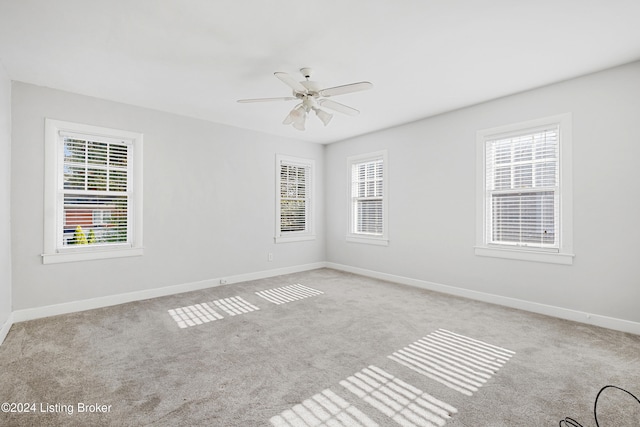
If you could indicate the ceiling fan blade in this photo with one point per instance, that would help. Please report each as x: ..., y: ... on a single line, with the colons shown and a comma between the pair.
x: 285, y: 98
x: 291, y: 82
x: 339, y: 90
x: 336, y: 106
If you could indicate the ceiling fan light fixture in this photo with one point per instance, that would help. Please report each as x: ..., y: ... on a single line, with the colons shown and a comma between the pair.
x: 294, y: 115
x: 299, y: 123
x: 323, y: 116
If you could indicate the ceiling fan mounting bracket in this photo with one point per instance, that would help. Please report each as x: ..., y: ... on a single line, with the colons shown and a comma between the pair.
x: 306, y: 72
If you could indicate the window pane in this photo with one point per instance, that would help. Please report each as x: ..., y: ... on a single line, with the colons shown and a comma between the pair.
x: 293, y: 198
x: 74, y: 150
x: 118, y: 180
x: 96, y: 179
x: 523, y: 218
x: 502, y: 151
x: 74, y: 177
x: 97, y: 153
x: 292, y: 215
x: 502, y: 178
x: 94, y: 220
x: 523, y: 176
x: 378, y: 190
x: 545, y: 174
x: 522, y: 148
x: 118, y: 155
x: 370, y: 189
x: 369, y: 216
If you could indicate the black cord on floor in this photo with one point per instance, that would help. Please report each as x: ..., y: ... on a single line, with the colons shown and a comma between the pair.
x: 570, y: 422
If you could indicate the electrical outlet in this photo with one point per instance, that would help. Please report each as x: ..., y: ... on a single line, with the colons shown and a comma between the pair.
x: 270, y: 256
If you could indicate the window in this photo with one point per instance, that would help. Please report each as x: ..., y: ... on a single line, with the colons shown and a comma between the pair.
x: 93, y: 192
x: 524, y: 191
x: 367, y: 198
x: 294, y: 219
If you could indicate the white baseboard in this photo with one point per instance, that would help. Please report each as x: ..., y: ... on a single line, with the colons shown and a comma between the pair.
x: 4, y: 330
x: 549, y: 310
x: 89, y: 304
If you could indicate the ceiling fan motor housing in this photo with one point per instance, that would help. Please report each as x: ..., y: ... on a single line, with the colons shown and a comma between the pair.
x: 309, y: 103
x: 312, y: 87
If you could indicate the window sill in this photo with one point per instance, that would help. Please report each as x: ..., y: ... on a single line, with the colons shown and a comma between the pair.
x: 92, y: 255
x: 287, y: 239
x: 369, y: 240
x: 526, y: 255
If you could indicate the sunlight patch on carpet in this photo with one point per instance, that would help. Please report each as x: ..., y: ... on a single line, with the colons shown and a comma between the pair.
x: 289, y: 293
x: 402, y: 402
x: 193, y: 315
x: 234, y: 305
x: 199, y: 314
x: 461, y: 363
x: 323, y: 409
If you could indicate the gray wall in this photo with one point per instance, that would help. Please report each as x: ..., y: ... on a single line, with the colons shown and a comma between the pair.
x: 432, y: 199
x: 209, y: 201
x: 5, y: 197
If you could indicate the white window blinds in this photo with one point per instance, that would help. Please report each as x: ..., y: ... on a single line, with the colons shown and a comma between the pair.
x: 294, y: 197
x: 94, y: 191
x: 367, y: 197
x: 522, y: 189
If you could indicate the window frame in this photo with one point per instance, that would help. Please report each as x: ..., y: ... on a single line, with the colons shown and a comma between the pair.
x: 564, y: 253
x: 309, y: 231
x: 367, y: 238
x: 53, y: 254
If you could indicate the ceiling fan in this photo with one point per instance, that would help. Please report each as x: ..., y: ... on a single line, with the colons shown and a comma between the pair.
x: 312, y: 97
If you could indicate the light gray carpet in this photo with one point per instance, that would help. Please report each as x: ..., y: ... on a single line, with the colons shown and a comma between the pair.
x: 277, y: 365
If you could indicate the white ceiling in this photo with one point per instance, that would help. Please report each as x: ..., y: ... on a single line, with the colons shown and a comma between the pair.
x: 424, y: 57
